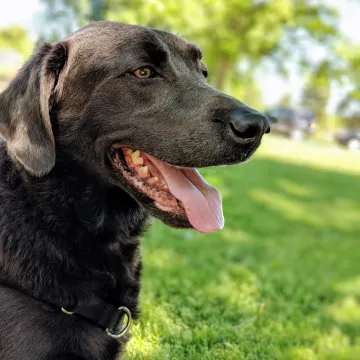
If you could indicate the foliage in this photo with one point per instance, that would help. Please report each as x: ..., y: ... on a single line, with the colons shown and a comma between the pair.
x: 286, y: 100
x: 317, y: 92
x: 349, y: 106
x: 279, y: 282
x: 16, y: 38
x: 237, y: 32
x: 228, y: 31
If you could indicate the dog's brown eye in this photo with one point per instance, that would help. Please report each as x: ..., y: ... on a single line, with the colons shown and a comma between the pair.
x: 144, y: 72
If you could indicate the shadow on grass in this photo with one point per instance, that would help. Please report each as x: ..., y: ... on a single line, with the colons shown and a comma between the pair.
x: 280, y: 282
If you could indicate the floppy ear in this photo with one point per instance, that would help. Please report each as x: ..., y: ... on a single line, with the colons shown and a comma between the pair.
x: 25, y: 110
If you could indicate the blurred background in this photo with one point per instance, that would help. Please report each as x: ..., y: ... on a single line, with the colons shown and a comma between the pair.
x: 282, y: 281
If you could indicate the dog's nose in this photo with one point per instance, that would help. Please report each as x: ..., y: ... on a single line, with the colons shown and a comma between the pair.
x: 248, y: 125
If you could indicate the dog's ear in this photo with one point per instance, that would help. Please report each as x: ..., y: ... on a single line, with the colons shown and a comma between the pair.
x: 25, y: 110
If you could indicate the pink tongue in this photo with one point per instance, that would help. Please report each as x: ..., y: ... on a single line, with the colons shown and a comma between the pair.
x: 202, y: 202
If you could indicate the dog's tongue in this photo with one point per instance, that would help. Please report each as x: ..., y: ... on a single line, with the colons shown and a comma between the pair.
x: 202, y: 202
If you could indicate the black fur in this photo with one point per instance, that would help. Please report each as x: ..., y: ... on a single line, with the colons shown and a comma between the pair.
x: 69, y: 223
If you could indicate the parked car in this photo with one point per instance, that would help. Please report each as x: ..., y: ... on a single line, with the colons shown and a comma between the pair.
x: 296, y: 124
x: 349, y: 138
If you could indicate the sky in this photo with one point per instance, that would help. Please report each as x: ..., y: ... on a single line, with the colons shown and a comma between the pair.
x: 273, y: 87
x: 18, y: 12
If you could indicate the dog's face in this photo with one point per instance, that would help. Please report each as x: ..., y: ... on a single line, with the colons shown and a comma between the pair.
x: 131, y: 104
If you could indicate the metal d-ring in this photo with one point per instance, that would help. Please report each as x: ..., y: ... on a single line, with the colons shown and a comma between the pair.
x: 118, y: 334
x: 67, y: 312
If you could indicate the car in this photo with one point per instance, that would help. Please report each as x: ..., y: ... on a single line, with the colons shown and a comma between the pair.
x: 296, y: 124
x: 349, y: 138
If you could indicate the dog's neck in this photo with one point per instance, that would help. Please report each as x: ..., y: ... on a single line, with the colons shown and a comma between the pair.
x: 108, y: 224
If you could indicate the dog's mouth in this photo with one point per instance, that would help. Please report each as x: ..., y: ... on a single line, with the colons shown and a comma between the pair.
x: 180, y: 192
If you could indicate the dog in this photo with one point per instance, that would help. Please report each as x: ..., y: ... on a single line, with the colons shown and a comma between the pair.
x: 102, y: 131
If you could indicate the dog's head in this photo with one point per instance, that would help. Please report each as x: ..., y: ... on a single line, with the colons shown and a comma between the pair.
x: 131, y: 105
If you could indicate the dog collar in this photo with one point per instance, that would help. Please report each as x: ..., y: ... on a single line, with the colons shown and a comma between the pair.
x: 115, y: 321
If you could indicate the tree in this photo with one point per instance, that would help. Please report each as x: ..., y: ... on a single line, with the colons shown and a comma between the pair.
x: 237, y: 30
x: 228, y: 31
x: 349, y: 106
x: 64, y: 16
x: 317, y: 92
x: 18, y: 39
x: 286, y: 100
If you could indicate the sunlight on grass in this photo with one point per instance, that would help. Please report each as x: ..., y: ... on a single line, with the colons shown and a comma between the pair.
x: 165, y: 259
x: 246, y: 296
x: 331, y: 346
x: 142, y: 342
x: 235, y: 235
x: 335, y: 345
x: 319, y: 156
x: 320, y: 216
x: 300, y: 353
x: 346, y: 311
x: 146, y: 336
x: 294, y: 188
x: 349, y: 287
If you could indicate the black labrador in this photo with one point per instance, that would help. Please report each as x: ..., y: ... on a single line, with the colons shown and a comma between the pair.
x: 101, y: 131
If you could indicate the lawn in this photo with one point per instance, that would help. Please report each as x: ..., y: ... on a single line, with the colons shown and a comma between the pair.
x: 281, y: 281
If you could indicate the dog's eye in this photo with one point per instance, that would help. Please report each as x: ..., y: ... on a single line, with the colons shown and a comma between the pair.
x: 144, y: 72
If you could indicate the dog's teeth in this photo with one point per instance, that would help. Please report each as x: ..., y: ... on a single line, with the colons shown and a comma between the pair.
x: 128, y: 151
x: 138, y: 161
x: 135, y: 155
x: 181, y: 204
x: 144, y: 172
x: 165, y: 187
x: 153, y: 180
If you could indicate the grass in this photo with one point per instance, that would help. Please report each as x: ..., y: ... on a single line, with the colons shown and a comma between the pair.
x: 282, y: 281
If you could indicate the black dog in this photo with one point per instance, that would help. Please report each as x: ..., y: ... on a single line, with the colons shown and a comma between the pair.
x: 78, y: 183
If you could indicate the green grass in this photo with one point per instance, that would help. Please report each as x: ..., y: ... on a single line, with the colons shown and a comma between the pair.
x: 281, y: 281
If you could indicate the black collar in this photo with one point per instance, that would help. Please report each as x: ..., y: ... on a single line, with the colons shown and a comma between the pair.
x: 100, y: 313
x: 105, y: 315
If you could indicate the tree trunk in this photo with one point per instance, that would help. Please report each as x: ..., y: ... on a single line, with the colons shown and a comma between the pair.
x: 222, y: 73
